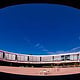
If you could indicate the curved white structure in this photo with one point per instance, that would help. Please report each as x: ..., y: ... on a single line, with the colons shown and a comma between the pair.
x: 44, y: 63
x: 39, y: 59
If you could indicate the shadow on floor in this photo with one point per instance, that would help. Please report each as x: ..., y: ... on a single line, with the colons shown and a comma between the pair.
x: 7, y: 76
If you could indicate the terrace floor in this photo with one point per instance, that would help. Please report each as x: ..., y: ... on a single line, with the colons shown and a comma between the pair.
x: 40, y: 71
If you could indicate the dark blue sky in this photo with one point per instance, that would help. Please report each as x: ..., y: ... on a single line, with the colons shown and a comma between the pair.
x: 39, y: 28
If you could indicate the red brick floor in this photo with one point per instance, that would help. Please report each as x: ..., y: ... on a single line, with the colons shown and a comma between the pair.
x: 39, y: 71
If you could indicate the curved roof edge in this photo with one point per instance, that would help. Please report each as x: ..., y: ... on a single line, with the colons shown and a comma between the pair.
x: 42, y: 55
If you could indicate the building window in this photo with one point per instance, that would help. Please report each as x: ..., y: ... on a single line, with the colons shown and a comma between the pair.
x: 62, y: 57
x: 67, y: 57
x: 53, y: 58
x: 28, y: 58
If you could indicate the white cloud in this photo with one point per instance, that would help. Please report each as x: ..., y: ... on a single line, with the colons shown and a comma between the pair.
x: 45, y: 50
x: 58, y: 52
x: 75, y: 49
x: 37, y: 45
x: 50, y: 52
x: 61, y: 52
x: 41, y: 47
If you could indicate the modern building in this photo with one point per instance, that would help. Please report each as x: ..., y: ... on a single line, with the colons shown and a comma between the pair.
x: 26, y: 60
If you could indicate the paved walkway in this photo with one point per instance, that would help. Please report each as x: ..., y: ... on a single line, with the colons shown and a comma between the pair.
x: 39, y: 71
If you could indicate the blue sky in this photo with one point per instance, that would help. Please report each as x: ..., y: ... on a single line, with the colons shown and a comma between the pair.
x: 39, y: 29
